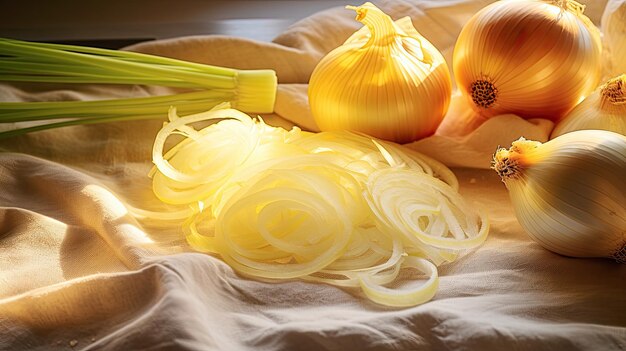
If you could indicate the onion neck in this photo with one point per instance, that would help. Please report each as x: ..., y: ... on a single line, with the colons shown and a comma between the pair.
x: 612, y: 97
x: 569, y: 5
x: 380, y: 25
x: 614, y: 91
x: 578, y: 9
x: 510, y: 164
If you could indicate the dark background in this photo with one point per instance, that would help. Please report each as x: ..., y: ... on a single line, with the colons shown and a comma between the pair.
x: 116, y: 23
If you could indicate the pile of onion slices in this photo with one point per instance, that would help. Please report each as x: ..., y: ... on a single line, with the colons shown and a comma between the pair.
x: 332, y: 207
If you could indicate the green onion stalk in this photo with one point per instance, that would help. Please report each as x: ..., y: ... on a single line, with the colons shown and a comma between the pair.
x: 20, y: 61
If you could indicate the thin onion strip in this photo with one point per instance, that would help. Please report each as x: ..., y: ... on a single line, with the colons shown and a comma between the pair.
x: 403, y: 298
x: 335, y: 207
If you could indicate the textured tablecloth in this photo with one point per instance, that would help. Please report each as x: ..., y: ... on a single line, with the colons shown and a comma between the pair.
x: 77, y: 271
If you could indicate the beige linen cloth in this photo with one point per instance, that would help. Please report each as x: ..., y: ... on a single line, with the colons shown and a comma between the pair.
x: 77, y: 271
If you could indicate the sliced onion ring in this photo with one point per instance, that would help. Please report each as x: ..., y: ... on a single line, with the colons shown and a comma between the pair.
x: 336, y: 207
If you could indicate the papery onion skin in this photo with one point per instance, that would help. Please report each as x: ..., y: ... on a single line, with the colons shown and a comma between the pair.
x: 569, y: 194
x: 530, y: 58
x: 386, y: 81
x: 605, y: 109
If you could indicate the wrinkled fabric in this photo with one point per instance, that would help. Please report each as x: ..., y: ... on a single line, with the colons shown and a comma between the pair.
x: 78, y: 271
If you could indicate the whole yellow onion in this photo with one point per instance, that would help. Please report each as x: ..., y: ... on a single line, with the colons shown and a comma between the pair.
x: 605, y: 109
x: 533, y: 58
x: 386, y: 80
x: 569, y: 193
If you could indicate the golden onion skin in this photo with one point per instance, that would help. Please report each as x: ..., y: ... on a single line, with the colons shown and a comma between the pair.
x: 388, y: 84
x: 527, y: 57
